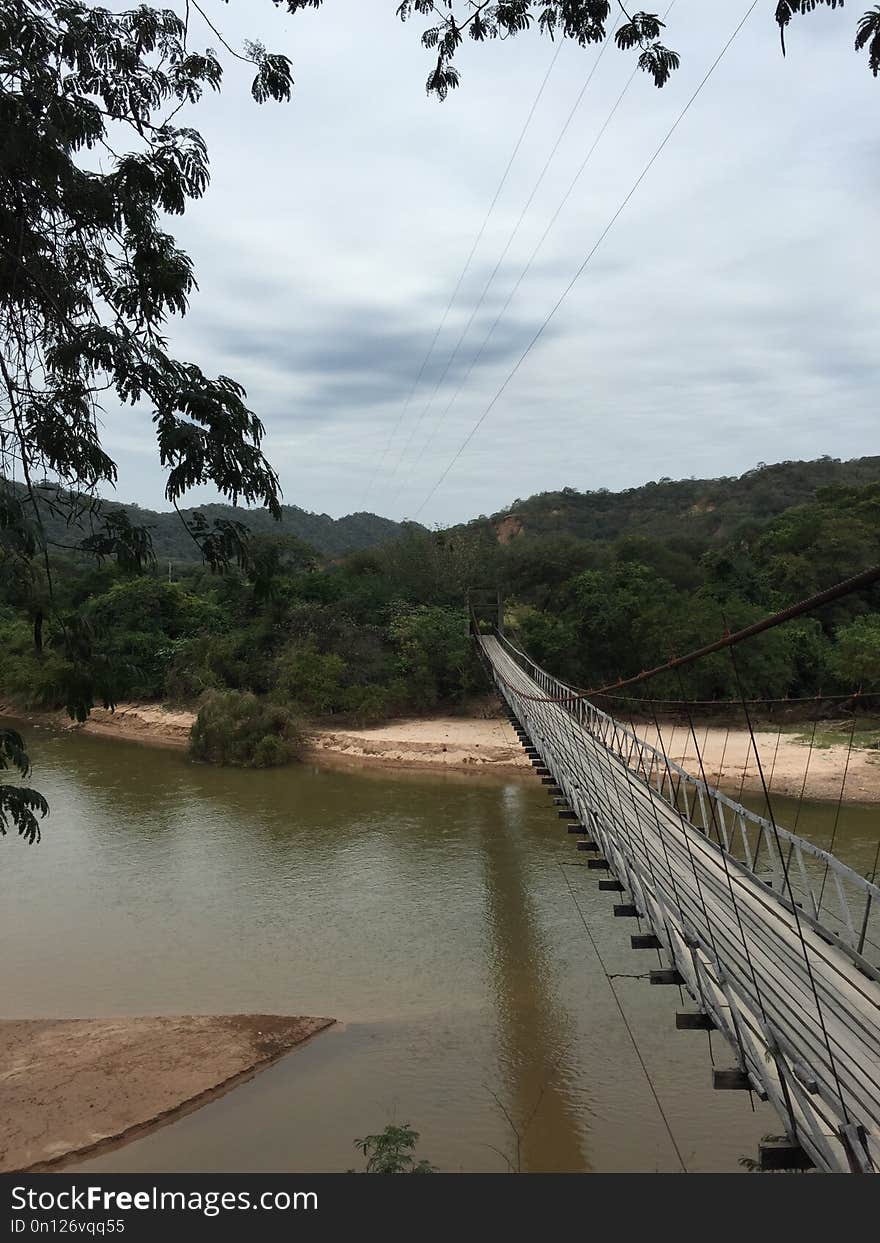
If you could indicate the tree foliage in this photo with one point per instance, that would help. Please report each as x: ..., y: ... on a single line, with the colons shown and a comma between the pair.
x: 586, y: 22
x: 381, y: 633
x: 92, y: 163
x: 20, y: 807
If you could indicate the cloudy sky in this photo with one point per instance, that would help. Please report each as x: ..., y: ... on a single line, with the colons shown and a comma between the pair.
x: 730, y: 317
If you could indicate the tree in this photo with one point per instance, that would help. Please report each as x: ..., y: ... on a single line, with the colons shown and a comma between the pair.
x: 855, y: 658
x: 90, y: 163
x: 584, y: 21
x: 242, y: 731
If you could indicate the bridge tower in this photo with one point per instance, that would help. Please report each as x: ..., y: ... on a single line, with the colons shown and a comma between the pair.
x: 485, y: 602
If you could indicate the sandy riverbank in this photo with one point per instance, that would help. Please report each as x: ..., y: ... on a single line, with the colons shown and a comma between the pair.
x: 464, y: 743
x: 461, y: 743
x: 789, y: 765
x: 477, y: 745
x: 72, y: 1087
x: 155, y: 724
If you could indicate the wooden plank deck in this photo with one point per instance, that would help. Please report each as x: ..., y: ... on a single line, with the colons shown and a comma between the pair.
x: 802, y: 1016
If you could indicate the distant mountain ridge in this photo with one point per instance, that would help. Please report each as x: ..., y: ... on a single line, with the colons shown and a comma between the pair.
x: 716, y: 510
x: 705, y: 510
x: 331, y: 536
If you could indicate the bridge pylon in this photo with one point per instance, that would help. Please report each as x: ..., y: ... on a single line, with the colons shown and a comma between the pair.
x: 483, y: 602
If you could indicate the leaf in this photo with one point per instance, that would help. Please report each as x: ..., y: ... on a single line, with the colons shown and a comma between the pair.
x: 868, y: 35
x: 659, y: 62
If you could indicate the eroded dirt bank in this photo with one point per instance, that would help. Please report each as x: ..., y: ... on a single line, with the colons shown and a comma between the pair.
x: 74, y: 1086
x: 152, y: 723
x: 439, y: 742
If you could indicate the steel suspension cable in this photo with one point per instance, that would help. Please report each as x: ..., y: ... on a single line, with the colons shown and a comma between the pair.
x: 849, y: 750
x: 867, y: 578
x: 722, y: 847
x: 604, y: 234
x: 532, y: 257
x: 795, y: 910
x: 464, y: 271
x: 491, y: 279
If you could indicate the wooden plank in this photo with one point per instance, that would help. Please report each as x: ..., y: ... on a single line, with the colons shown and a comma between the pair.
x: 646, y: 836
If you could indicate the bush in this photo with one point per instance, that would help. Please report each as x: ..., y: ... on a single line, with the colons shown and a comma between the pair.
x: 237, y: 729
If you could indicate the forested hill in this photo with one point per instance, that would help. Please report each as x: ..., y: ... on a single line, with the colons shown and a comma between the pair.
x: 332, y: 537
x: 596, y: 587
x: 705, y: 511
x: 714, y: 510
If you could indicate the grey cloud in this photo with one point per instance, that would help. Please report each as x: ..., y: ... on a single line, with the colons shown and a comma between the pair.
x: 732, y: 306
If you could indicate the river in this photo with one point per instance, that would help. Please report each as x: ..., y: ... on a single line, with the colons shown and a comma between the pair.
x: 441, y: 920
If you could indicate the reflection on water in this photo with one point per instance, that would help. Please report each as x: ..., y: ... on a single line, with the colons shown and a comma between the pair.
x: 429, y: 914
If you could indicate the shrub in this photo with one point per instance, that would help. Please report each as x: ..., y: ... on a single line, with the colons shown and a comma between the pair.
x: 370, y: 705
x: 238, y: 729
x: 391, y: 1152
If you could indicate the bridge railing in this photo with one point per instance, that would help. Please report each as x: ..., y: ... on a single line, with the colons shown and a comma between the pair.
x: 835, y: 899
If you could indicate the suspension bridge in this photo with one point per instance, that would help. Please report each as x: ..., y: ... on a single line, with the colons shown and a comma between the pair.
x: 774, y: 939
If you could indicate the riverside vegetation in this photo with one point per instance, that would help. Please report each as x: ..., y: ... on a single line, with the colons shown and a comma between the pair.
x: 381, y: 632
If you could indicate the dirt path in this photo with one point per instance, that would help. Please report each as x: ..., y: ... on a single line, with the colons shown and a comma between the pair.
x: 70, y: 1087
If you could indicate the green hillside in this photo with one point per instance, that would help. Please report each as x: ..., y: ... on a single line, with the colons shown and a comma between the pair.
x: 333, y: 537
x: 597, y: 586
x: 713, y: 510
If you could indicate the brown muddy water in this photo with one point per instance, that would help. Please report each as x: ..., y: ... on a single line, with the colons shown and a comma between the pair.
x: 430, y: 914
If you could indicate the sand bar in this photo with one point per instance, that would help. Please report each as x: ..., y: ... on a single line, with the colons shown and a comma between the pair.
x: 72, y: 1087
